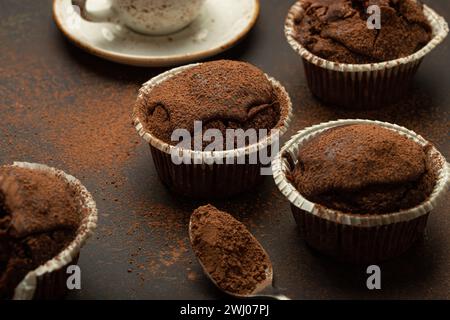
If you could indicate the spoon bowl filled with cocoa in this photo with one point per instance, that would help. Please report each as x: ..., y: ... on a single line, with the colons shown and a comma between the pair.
x: 231, y: 256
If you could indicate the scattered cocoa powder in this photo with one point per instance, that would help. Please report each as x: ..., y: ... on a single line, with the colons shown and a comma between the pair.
x: 93, y: 136
x: 168, y: 225
x: 228, y: 251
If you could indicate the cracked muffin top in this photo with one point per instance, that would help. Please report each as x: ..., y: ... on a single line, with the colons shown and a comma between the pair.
x: 337, y: 30
x: 39, y: 217
x: 222, y: 94
x: 364, y: 169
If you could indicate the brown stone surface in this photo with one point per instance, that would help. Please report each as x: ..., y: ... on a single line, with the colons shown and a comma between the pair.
x: 63, y: 107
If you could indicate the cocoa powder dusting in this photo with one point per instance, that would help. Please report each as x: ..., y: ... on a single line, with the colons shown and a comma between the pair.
x: 222, y: 94
x: 337, y: 30
x: 228, y: 251
x: 364, y: 169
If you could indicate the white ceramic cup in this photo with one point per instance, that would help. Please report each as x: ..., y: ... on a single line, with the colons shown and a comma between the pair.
x: 152, y: 17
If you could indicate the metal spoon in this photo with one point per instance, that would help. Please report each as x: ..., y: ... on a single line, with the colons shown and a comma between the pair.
x: 264, y: 290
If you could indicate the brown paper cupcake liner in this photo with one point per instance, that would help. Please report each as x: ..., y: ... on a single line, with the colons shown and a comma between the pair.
x: 352, y: 237
x: 363, y: 86
x: 210, y: 176
x: 48, y: 281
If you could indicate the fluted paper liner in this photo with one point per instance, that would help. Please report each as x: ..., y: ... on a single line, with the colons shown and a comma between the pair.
x: 362, y: 85
x: 281, y: 167
x: 208, y: 163
x: 46, y: 281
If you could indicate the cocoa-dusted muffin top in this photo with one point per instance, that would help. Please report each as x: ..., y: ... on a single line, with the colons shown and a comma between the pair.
x: 364, y: 169
x: 337, y: 30
x: 222, y: 94
x: 39, y: 216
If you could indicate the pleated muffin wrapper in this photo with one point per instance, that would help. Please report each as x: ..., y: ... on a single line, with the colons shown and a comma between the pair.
x: 357, y: 238
x: 48, y: 281
x: 208, y: 175
x: 362, y: 86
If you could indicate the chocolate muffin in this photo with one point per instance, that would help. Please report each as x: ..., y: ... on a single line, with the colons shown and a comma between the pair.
x: 221, y: 94
x: 364, y: 169
x: 39, y: 217
x: 337, y: 30
x: 220, y: 115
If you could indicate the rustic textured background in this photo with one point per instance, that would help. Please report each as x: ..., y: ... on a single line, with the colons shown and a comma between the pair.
x: 65, y: 108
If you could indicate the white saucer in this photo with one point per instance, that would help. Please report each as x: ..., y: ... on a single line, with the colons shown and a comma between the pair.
x: 220, y: 26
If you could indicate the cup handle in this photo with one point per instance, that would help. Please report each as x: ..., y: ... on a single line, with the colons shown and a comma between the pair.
x: 101, y: 16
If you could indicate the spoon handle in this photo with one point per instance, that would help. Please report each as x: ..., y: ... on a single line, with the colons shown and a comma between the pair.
x: 271, y: 293
x: 280, y: 297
